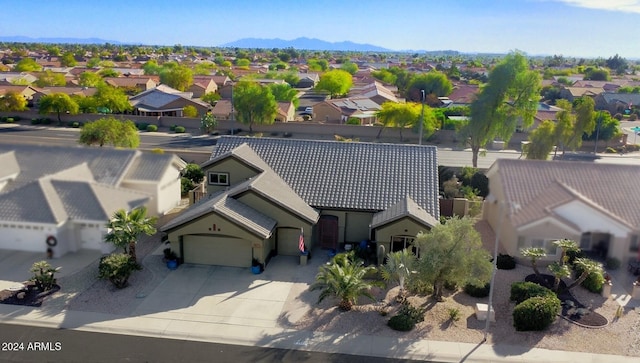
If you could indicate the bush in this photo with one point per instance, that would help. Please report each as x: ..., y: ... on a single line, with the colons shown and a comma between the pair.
x: 536, y: 313
x: 9, y: 120
x: 43, y: 275
x: 451, y: 285
x: 179, y: 129
x: 35, y: 121
x: 477, y: 291
x: 610, y: 150
x: 506, y: 262
x: 454, y: 314
x: 46, y: 121
x: 593, y: 282
x: 152, y: 128
x: 142, y: 126
x: 419, y: 287
x: 16, y: 118
x: 173, y: 127
x: 618, y: 116
x: 612, y: 263
x: 185, y: 185
x: 117, y: 267
x: 407, y: 318
x: 521, y: 291
x: 75, y: 124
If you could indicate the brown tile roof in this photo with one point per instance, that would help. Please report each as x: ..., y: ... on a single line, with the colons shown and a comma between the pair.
x: 464, y: 93
x: 534, y: 184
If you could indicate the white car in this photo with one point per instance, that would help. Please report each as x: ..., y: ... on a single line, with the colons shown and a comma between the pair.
x: 308, y: 109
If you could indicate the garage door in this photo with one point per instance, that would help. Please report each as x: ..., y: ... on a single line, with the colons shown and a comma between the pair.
x: 213, y: 250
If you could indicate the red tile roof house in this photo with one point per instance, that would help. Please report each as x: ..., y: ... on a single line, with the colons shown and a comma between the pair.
x: 534, y: 203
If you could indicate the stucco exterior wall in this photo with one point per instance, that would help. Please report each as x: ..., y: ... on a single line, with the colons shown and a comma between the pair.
x: 402, y: 227
x: 237, y: 171
x: 353, y: 227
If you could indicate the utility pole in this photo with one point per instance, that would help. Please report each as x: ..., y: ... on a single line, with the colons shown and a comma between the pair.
x: 421, y: 119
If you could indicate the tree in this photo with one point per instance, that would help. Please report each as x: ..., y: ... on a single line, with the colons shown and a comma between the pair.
x: 403, y: 115
x: 193, y: 172
x: 541, y: 141
x: 534, y: 254
x: 58, y: 103
x: 176, y: 76
x: 13, y: 101
x: 112, y: 98
x: 117, y: 268
x: 125, y: 228
x: 344, y: 279
x: 254, y: 104
x: 108, y: 72
x: 68, y: 60
x: 571, y: 127
x: 190, y: 111
x: 596, y: 74
x: 27, y: 65
x: 284, y: 93
x: 588, y: 267
x: 452, y: 253
x: 90, y: 79
x: 350, y: 67
x: 208, y: 122
x: 510, y: 96
x: 151, y: 68
x: 318, y: 65
x: 560, y: 269
x: 49, y: 78
x: 337, y: 82
x: 109, y: 131
x: 210, y: 98
x: 399, y: 268
x: 432, y: 83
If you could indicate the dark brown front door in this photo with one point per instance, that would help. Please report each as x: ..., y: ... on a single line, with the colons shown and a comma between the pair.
x: 328, y: 232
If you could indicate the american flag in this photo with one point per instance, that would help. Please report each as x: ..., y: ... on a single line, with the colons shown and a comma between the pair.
x: 301, y: 241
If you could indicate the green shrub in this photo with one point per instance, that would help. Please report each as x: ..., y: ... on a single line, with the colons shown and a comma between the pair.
x: 142, y: 126
x: 612, y: 263
x: 536, y: 313
x: 179, y: 129
x: 16, y: 118
x: 353, y: 121
x: 117, y: 267
x: 9, y: 120
x: 593, y: 282
x: 451, y: 285
x: 35, y: 121
x: 610, y: 150
x: 477, y: 291
x: 75, y: 124
x: 454, y: 314
x: 521, y: 291
x: 185, y: 185
x: 419, y: 287
x: 172, y: 128
x: 152, y: 128
x: 43, y: 275
x: 46, y: 121
x: 506, y: 262
x: 407, y: 318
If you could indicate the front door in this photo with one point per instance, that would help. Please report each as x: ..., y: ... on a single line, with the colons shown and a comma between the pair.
x: 328, y: 232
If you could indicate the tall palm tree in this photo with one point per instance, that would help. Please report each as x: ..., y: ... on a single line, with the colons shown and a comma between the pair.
x: 125, y: 228
x: 344, y: 279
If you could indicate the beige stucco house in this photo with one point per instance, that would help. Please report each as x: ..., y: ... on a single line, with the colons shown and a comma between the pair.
x: 67, y: 194
x: 533, y: 203
x: 264, y: 192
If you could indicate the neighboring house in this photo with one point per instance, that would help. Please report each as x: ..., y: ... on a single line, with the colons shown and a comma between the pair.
x: 263, y: 192
x: 571, y: 93
x: 202, y: 85
x: 338, y: 111
x: 534, y: 203
x: 607, y: 86
x: 17, y: 77
x: 308, y: 80
x: 222, y: 110
x: 286, y: 112
x: 376, y: 92
x: 463, y: 94
x: 139, y: 83
x: 616, y: 102
x: 29, y: 93
x: 69, y: 193
x: 165, y: 101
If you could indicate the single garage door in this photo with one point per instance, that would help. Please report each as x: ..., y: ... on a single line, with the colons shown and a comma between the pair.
x: 214, y: 250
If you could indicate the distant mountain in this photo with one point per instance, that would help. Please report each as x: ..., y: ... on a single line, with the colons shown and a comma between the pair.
x: 21, y: 39
x: 304, y: 43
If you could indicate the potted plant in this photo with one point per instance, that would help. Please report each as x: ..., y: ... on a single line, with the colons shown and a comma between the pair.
x: 256, y: 266
x: 171, y: 258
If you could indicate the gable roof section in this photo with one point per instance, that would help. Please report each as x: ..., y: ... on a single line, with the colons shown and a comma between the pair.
x: 625, y: 98
x: 149, y: 166
x: 10, y: 167
x: 406, y: 207
x: 536, y: 182
x: 353, y: 176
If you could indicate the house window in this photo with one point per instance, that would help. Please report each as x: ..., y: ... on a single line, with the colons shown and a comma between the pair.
x: 546, y: 244
x: 218, y: 178
x: 633, y: 243
x: 399, y: 243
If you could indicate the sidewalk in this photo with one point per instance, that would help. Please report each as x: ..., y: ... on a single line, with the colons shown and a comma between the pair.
x: 292, y: 339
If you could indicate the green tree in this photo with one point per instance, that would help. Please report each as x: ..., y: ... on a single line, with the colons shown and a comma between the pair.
x: 452, y: 253
x: 509, y: 97
x: 337, y: 82
x: 93, y: 62
x: 204, y: 68
x: 399, y: 268
x: 350, y: 67
x: 208, y: 122
x: 254, y: 104
x: 58, y: 103
x: 560, y: 269
x: 125, y: 228
x: 317, y: 65
x: 12, y: 101
x: 176, y: 76
x: 403, y: 115
x: 112, y: 98
x: 534, y: 254
x: 90, y: 79
x: 193, y: 172
x: 190, y: 111
x: 344, y: 279
x: 110, y: 131
x: 27, y: 65
x: 151, y: 68
x: 596, y: 74
x: 108, y: 72
x: 541, y: 141
x: 588, y: 267
x: 210, y: 98
x: 432, y: 83
x: 243, y: 63
x: 284, y: 93
x: 68, y: 60
x: 49, y: 78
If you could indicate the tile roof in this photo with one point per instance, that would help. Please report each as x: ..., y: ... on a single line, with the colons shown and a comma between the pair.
x: 356, y: 176
x: 611, y: 187
x: 10, y: 166
x: 149, y: 166
x: 626, y: 98
x: 404, y: 208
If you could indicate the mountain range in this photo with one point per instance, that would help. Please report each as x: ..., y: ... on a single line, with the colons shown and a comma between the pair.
x: 304, y: 43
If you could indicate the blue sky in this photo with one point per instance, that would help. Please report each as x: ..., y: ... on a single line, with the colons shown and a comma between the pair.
x: 578, y: 28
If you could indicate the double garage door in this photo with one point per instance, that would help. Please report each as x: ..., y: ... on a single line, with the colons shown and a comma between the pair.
x: 214, y: 250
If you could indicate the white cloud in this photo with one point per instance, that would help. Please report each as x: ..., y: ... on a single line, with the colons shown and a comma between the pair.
x: 627, y: 6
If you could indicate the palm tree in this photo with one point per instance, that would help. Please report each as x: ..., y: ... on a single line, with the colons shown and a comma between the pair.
x: 534, y: 254
x: 559, y: 270
x: 344, y: 279
x: 398, y: 268
x: 125, y: 227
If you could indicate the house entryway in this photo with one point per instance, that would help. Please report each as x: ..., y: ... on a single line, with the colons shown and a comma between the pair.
x: 595, y: 245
